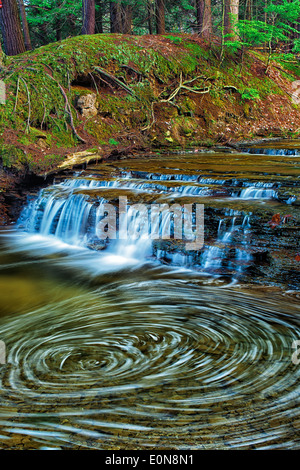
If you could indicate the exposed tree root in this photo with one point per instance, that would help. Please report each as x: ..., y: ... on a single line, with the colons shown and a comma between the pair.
x: 68, y: 110
x: 115, y: 80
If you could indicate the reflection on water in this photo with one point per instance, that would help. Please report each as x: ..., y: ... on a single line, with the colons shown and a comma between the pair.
x: 112, y: 350
x: 143, y: 358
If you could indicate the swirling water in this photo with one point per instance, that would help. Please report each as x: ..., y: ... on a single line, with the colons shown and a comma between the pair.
x: 111, y: 349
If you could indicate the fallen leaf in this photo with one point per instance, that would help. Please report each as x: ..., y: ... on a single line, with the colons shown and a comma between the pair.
x: 276, y: 220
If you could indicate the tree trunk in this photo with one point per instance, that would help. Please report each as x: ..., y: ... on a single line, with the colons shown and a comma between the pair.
x: 27, y: 39
x: 43, y: 33
x: 88, y: 17
x: 99, y: 19
x: 11, y: 28
x: 127, y: 19
x: 204, y: 24
x: 115, y: 17
x: 1, y: 55
x: 160, y: 16
x: 58, y: 29
x: 58, y: 23
x: 249, y: 10
x: 150, y: 9
x: 231, y: 15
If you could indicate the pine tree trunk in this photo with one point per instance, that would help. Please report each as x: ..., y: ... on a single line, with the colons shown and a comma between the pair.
x: 204, y: 24
x: 43, y: 33
x: 1, y: 55
x: 249, y: 8
x: 231, y: 14
x: 160, y: 16
x: 57, y: 24
x: 88, y: 17
x: 115, y: 17
x: 99, y: 19
x: 127, y: 19
x: 150, y: 9
x: 11, y: 28
x: 27, y: 39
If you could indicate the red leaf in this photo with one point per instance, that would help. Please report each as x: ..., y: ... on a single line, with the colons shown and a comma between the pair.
x: 276, y: 220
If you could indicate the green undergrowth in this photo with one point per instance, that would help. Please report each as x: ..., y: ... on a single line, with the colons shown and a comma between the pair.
x: 155, y: 91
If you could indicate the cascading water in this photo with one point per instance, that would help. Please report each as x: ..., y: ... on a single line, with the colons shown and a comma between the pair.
x: 214, y: 256
x: 138, y: 343
x: 258, y: 193
x: 69, y: 212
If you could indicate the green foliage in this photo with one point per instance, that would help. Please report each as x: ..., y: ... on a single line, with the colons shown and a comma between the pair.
x: 174, y: 39
x: 233, y: 46
x: 250, y: 94
x: 113, y: 142
x: 282, y: 22
x: 11, y: 156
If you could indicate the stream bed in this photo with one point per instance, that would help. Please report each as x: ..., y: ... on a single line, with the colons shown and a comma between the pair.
x: 139, y: 342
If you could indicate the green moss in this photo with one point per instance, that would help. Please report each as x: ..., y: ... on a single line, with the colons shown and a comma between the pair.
x: 44, y: 164
x: 11, y: 156
x: 42, y: 86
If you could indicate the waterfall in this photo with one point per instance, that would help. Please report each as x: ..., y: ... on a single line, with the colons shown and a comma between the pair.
x: 253, y: 192
x: 216, y: 256
x: 271, y: 151
x: 72, y: 211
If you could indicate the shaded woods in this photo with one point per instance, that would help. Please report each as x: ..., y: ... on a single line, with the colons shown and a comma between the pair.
x: 238, y: 23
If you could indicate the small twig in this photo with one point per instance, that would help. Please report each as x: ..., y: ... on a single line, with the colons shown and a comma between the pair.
x: 29, y: 105
x: 127, y: 67
x: 55, y: 122
x: 94, y: 81
x: 69, y: 85
x: 17, y: 93
x: 106, y: 83
x: 153, y: 119
x: 68, y: 110
x: 44, y: 115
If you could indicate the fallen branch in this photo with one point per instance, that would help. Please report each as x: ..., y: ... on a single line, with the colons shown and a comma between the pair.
x: 131, y: 69
x: 230, y: 88
x: 116, y: 81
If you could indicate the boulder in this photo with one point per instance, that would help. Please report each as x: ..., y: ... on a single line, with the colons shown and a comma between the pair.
x: 86, y: 105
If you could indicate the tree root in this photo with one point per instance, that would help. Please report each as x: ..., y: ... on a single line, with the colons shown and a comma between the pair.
x: 182, y: 86
x: 68, y: 110
x: 116, y: 81
x: 17, y: 94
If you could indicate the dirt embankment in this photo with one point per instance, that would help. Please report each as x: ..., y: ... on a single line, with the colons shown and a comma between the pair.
x: 99, y: 97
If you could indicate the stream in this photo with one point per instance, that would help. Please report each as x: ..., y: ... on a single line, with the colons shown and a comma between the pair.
x: 115, y: 334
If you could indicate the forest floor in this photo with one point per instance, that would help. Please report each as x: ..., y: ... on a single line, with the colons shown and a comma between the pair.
x: 94, y: 98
